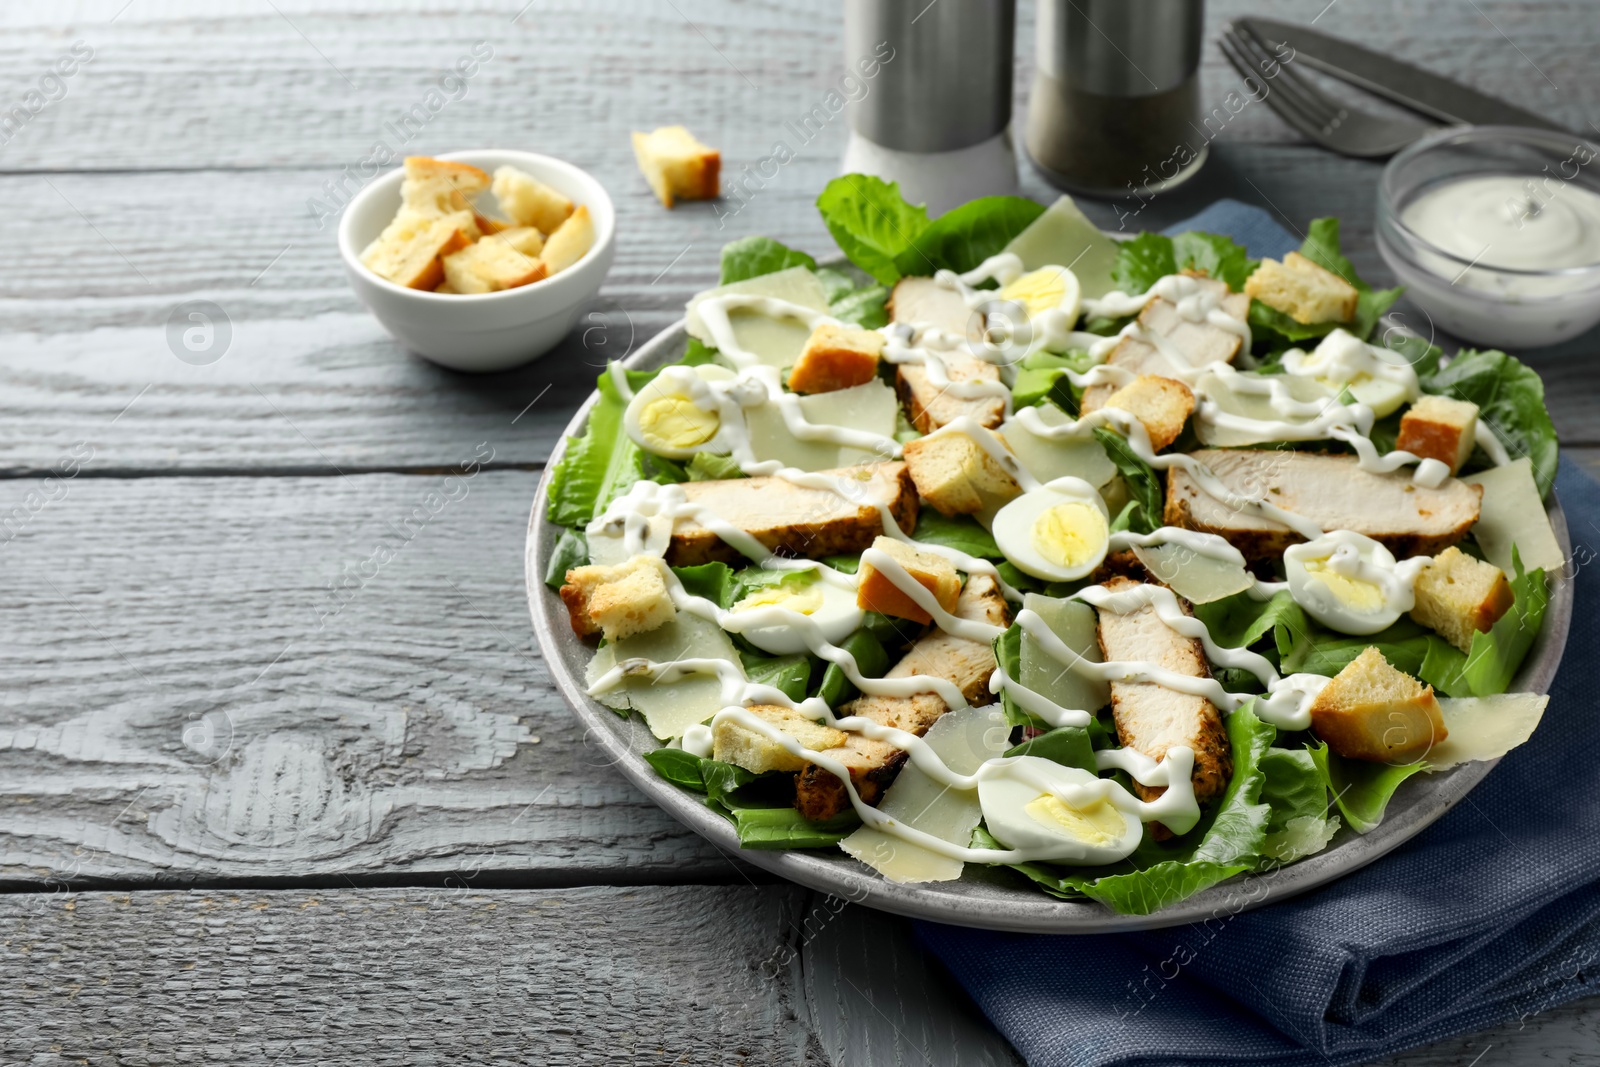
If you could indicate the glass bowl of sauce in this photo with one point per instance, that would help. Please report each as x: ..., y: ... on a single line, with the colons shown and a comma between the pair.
x: 1495, y: 232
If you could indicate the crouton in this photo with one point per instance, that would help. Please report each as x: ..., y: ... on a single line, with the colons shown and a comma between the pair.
x: 1331, y: 491
x: 732, y: 743
x: 489, y: 266
x: 1302, y: 289
x: 411, y: 248
x: 1152, y: 718
x: 1371, y: 711
x: 1441, y: 428
x: 525, y: 239
x: 873, y: 765
x: 1460, y: 597
x: 437, y: 187
x: 569, y: 243
x: 1161, y: 404
x: 957, y: 475
x: 794, y: 520
x: 877, y: 592
x: 836, y: 357
x: 1198, y: 343
x: 527, y: 201
x: 677, y: 166
x: 629, y: 598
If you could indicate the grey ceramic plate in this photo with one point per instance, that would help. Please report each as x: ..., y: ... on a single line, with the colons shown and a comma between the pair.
x: 985, y: 897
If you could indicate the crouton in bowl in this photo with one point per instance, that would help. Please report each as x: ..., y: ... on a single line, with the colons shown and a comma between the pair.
x: 481, y: 331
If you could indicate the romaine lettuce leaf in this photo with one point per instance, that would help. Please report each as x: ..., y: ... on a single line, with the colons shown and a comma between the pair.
x: 785, y: 828
x: 712, y: 467
x: 1322, y: 247
x: 866, y: 307
x: 751, y: 257
x: 1510, y: 398
x: 872, y: 660
x: 1072, y: 746
x: 1240, y: 620
x: 1144, y: 485
x: 1039, y: 373
x: 960, y: 532
x: 964, y: 237
x: 791, y: 674
x: 1298, y: 795
x: 571, y: 550
x: 870, y: 222
x: 1360, y: 788
x: 598, y: 466
x: 1150, y: 257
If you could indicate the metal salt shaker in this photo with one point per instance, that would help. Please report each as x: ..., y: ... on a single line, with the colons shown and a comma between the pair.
x: 936, y: 114
x: 1116, y: 95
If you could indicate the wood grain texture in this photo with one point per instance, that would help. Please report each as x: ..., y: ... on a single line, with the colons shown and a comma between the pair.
x: 232, y: 98
x: 694, y: 975
x: 279, y: 678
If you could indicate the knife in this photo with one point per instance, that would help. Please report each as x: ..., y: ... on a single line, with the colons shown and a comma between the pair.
x: 1391, y: 79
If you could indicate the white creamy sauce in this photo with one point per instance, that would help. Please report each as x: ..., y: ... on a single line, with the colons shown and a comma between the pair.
x: 643, y: 518
x: 1508, y: 221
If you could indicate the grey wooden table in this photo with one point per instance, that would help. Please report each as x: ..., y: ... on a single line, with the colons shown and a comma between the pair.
x: 264, y: 802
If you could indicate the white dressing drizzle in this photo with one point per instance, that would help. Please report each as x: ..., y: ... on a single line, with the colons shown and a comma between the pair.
x: 645, y: 515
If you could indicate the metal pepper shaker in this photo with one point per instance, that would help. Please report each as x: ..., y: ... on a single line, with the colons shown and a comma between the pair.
x: 935, y: 114
x: 1116, y: 95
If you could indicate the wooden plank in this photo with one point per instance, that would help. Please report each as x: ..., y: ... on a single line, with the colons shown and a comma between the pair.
x: 176, y: 86
x: 681, y: 975
x: 405, y: 976
x: 311, y: 383
x: 298, y: 678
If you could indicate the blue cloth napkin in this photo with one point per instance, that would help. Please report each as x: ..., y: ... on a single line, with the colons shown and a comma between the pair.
x: 1490, y: 915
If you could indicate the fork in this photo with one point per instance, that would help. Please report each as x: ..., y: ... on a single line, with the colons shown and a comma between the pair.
x: 1310, y: 110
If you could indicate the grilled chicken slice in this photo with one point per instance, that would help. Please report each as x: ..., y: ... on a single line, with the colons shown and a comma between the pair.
x: 925, y: 302
x: 930, y: 406
x: 874, y: 764
x: 1151, y: 718
x: 1200, y: 342
x: 1331, y: 491
x: 793, y: 520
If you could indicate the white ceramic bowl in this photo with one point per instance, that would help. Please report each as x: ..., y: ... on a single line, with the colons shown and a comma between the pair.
x: 487, y: 331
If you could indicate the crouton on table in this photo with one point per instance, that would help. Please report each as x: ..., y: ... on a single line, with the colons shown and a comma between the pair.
x: 677, y: 166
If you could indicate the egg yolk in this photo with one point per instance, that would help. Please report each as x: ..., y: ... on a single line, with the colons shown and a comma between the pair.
x: 1070, y: 534
x: 1038, y: 291
x: 1097, y: 824
x: 676, y: 422
x: 804, y: 601
x: 1352, y: 592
